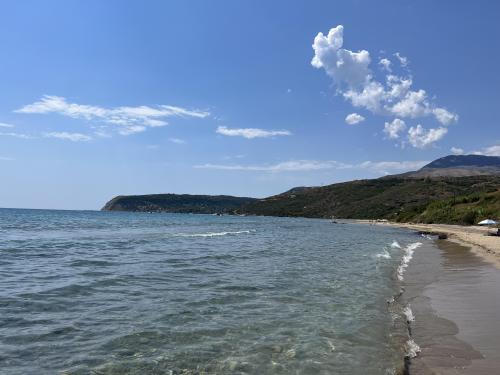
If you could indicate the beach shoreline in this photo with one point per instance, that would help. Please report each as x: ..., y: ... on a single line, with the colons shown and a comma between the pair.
x: 474, y: 237
x: 451, y: 291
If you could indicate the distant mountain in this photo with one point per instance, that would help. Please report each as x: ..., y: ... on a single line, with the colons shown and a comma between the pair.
x: 182, y: 203
x: 468, y: 161
x: 459, y: 166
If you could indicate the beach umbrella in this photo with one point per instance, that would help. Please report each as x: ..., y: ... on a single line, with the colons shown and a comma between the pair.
x: 487, y: 222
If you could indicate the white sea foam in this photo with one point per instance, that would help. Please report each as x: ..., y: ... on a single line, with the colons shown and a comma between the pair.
x: 395, y: 245
x: 330, y: 344
x: 408, y: 254
x: 412, y: 349
x: 409, y: 314
x: 212, y: 234
x: 385, y: 254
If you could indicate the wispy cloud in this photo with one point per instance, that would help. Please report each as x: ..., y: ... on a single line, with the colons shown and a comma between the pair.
x: 457, y: 150
x: 130, y: 119
x: 393, y: 96
x: 251, y: 133
x: 73, y: 137
x: 315, y: 165
x: 177, y: 141
x: 6, y: 158
x: 488, y: 151
x: 16, y: 135
x: 5, y: 125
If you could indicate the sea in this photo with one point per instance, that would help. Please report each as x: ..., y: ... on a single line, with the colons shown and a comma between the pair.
x: 89, y: 292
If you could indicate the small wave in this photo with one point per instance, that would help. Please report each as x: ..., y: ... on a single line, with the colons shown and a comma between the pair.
x: 384, y: 255
x: 409, y: 250
x: 395, y: 245
x: 411, y: 349
x: 213, y: 234
x: 409, y: 314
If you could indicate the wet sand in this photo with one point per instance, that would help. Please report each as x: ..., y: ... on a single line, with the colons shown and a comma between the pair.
x: 455, y: 298
x: 476, y: 237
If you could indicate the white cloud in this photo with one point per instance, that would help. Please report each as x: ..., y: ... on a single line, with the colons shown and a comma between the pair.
x: 4, y: 125
x: 444, y: 116
x: 74, y: 137
x: 421, y: 138
x: 132, y: 119
x: 177, y: 141
x: 250, y: 133
x: 6, y: 158
x: 489, y: 151
x: 414, y: 104
x: 457, y: 150
x: 354, y: 118
x: 402, y: 59
x: 392, y: 129
x: 385, y: 64
x: 354, y: 79
x: 342, y: 65
x: 17, y: 135
x: 370, y: 97
x: 315, y: 165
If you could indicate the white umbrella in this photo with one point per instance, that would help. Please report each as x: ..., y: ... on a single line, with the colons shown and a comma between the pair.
x: 487, y: 222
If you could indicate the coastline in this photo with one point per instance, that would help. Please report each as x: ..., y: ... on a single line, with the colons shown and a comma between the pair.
x: 454, y: 301
x: 473, y: 237
x: 451, y: 295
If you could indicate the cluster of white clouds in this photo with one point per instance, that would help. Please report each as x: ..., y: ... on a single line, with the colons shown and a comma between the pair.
x: 383, y: 167
x: 421, y: 138
x: 130, y: 120
x: 393, y: 97
x: 251, y: 133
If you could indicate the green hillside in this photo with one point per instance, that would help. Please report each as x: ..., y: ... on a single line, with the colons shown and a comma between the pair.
x: 465, y: 210
x: 398, y: 199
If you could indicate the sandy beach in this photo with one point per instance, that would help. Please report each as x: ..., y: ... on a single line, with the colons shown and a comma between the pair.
x: 474, y: 237
x: 454, y: 296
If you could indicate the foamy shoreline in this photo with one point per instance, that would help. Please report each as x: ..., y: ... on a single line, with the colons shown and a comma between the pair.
x: 475, y: 237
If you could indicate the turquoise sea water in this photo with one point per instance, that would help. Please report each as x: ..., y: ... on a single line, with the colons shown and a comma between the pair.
x: 136, y: 293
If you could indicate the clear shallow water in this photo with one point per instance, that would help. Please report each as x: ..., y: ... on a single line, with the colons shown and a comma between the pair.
x: 133, y: 293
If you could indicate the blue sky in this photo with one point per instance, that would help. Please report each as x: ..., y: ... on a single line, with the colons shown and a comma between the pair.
x: 101, y: 98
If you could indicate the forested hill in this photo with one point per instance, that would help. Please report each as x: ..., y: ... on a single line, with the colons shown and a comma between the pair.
x: 182, y: 203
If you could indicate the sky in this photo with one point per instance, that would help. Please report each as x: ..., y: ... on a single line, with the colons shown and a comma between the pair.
x: 247, y: 98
